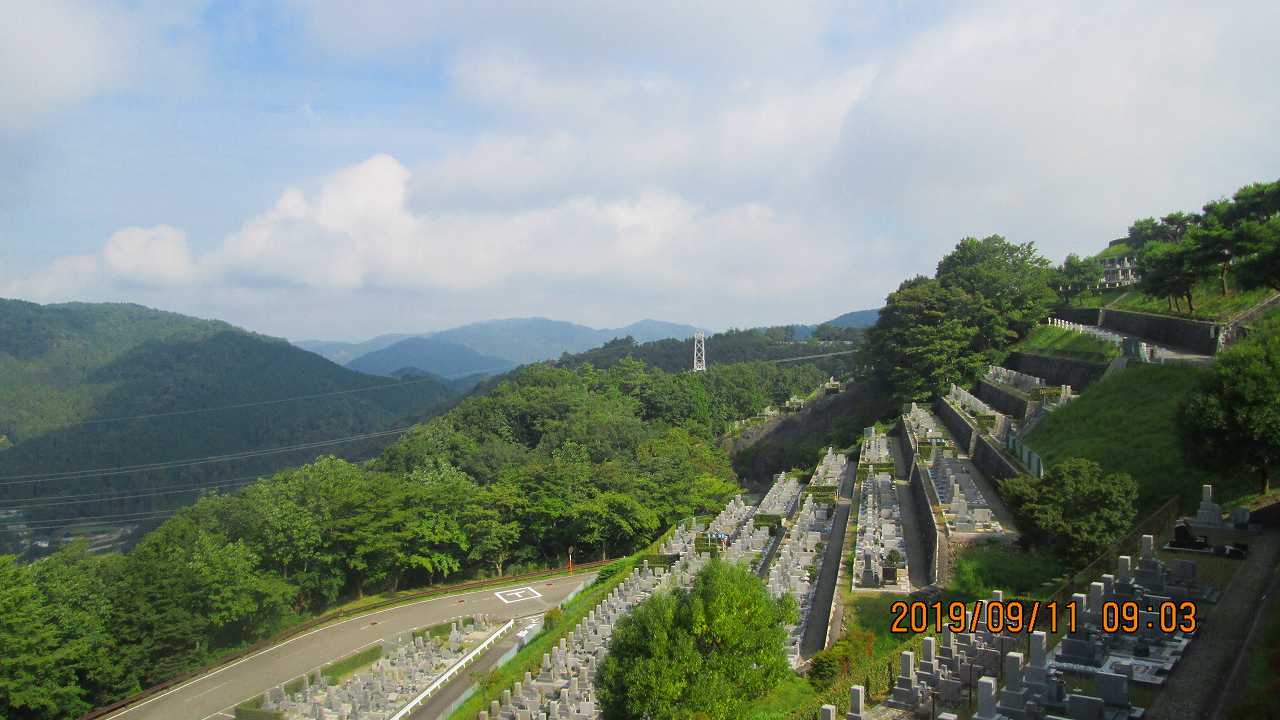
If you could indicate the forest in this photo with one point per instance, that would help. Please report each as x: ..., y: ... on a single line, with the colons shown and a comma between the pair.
x: 550, y: 461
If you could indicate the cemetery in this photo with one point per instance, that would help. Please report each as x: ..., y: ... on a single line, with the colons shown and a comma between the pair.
x: 409, y: 664
x: 796, y: 564
x: 880, y: 547
x: 964, y: 506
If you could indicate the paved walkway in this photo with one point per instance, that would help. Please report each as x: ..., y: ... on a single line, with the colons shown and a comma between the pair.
x: 815, y: 632
x: 442, y: 702
x: 916, y: 536
x: 1193, y: 689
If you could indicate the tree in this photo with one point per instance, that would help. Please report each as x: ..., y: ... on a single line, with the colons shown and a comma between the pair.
x: 36, y: 675
x: 1258, y: 226
x: 1077, y: 274
x: 1013, y: 278
x: 697, y: 653
x: 1234, y: 420
x: 929, y: 336
x: 1215, y: 240
x: 1051, y: 508
x: 1170, y: 270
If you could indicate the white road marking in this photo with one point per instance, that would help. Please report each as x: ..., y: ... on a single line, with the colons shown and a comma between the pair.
x: 273, y: 648
x: 511, y: 596
x: 206, y: 692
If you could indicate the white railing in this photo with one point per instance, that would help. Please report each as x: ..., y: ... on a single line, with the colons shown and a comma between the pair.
x: 452, y: 672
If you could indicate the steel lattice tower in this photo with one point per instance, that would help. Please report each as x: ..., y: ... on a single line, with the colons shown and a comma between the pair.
x: 699, y: 351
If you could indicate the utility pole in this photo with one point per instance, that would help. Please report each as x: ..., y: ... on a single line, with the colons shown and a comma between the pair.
x: 699, y: 352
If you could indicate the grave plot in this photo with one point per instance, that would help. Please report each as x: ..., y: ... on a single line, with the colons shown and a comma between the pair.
x: 1148, y: 654
x: 796, y: 564
x: 725, y: 527
x: 987, y: 419
x: 564, y: 688
x: 1049, y: 396
x: 972, y: 665
x: 880, y: 559
x: 409, y: 664
x: 925, y: 430
x: 1101, y: 333
x: 965, y: 507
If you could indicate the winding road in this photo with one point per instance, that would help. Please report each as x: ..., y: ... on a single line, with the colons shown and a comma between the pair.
x: 214, y: 695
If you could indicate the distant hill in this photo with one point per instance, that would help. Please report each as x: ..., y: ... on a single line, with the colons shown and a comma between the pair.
x: 516, y: 340
x: 344, y: 352
x: 525, y: 340
x: 731, y: 346
x: 68, y: 373
x: 431, y: 355
x: 856, y: 319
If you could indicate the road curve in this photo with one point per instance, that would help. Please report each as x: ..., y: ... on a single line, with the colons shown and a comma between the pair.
x: 212, y: 696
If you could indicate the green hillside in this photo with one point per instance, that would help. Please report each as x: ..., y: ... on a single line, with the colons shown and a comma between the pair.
x: 68, y: 373
x: 1128, y: 423
x: 732, y: 346
x: 433, y: 355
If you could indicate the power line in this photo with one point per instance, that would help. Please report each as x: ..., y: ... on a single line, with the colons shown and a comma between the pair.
x: 174, y: 413
x: 113, y: 519
x: 28, y: 503
x: 189, y: 462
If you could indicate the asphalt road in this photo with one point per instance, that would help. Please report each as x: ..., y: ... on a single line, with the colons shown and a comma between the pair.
x: 213, y: 696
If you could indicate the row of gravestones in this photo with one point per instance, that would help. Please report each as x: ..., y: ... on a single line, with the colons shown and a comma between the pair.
x: 789, y: 572
x: 875, y: 448
x: 409, y: 664
x: 564, y: 688
x: 777, y: 501
x: 964, y: 505
x: 880, y: 531
x: 830, y: 469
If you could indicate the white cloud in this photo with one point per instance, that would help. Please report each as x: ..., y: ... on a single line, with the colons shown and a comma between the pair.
x: 65, y: 279
x: 56, y: 53
x: 149, y: 256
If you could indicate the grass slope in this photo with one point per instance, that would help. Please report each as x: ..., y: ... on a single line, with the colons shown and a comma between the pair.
x: 1210, y: 303
x: 1128, y: 423
x: 1060, y: 342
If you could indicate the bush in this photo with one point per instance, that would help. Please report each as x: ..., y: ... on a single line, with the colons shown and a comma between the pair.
x: 552, y: 619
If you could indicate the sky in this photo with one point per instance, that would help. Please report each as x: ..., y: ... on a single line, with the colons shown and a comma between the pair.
x: 337, y: 170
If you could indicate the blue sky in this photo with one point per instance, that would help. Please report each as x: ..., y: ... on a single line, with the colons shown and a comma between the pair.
x: 337, y: 170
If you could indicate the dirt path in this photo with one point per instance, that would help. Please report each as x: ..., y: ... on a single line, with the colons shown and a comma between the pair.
x: 1196, y: 685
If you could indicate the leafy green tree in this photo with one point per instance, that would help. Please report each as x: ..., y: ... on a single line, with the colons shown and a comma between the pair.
x: 697, y: 653
x: 1013, y: 279
x: 1050, y: 508
x: 927, y: 337
x: 1170, y: 270
x: 1234, y: 421
x: 1077, y: 274
x: 37, y: 679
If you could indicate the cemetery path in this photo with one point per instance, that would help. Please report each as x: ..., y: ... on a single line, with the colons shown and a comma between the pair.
x: 443, y: 701
x: 917, y: 570
x: 815, y: 632
x: 213, y: 696
x: 1189, y: 695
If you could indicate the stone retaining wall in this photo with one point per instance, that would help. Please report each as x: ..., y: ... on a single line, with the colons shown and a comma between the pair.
x: 1079, y: 374
x: 964, y: 432
x: 1007, y: 401
x: 1198, y: 336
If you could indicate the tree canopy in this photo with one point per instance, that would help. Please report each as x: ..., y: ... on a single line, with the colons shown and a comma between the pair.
x: 697, y: 653
x: 1052, y: 510
x: 1234, y: 421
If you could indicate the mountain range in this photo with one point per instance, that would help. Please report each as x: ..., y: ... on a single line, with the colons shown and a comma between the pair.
x: 486, y: 347
x: 86, y: 386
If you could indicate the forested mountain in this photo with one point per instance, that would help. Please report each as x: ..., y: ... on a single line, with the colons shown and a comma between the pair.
x: 85, y: 386
x: 431, y: 355
x: 856, y: 319
x: 549, y: 458
x: 517, y: 340
x: 344, y: 352
x: 731, y: 346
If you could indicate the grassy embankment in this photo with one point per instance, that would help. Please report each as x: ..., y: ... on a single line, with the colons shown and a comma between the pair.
x: 530, y: 657
x: 1060, y: 342
x: 1128, y: 423
x: 1207, y: 297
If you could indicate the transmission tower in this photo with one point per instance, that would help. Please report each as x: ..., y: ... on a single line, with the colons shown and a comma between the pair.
x: 699, y: 351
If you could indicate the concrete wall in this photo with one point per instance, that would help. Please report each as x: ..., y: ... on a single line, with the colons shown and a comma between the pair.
x: 934, y: 541
x: 1007, y: 401
x: 993, y: 463
x: 1083, y: 316
x: 964, y: 432
x: 1057, y: 371
x: 1198, y: 336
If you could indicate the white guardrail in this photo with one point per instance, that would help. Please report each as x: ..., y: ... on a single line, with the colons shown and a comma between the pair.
x: 453, y: 671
